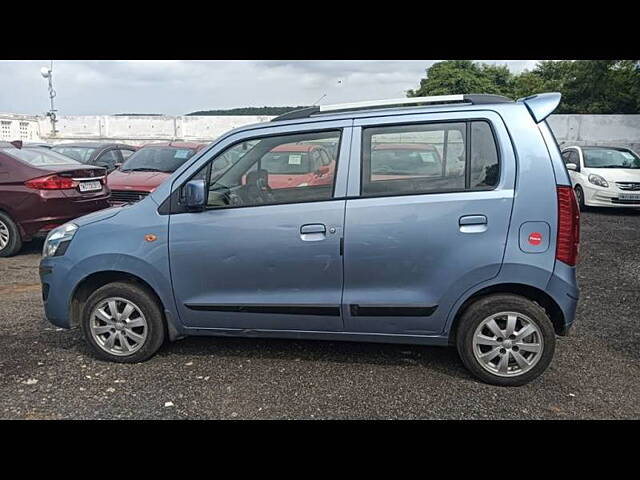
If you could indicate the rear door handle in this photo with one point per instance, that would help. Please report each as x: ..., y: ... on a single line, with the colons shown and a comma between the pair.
x: 473, y: 220
x: 473, y: 223
x: 313, y: 232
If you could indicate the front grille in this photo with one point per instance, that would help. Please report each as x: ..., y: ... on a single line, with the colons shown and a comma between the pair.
x: 128, y: 196
x: 628, y: 185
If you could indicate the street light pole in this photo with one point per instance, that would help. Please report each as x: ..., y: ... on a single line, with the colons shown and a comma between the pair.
x: 47, y: 72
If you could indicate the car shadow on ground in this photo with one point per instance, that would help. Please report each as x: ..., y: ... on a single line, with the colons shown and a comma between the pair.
x: 439, y: 359
x: 618, y: 212
x: 29, y: 248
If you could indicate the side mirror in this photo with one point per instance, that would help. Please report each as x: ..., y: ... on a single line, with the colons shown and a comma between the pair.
x: 194, y: 195
x: 116, y: 166
x: 572, y: 166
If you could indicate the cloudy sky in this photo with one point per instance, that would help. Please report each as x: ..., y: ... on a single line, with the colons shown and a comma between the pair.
x: 181, y: 86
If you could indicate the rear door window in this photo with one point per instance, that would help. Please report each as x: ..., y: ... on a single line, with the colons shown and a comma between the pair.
x: 429, y: 158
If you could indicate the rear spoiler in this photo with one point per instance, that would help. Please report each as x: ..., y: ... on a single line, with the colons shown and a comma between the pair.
x: 542, y: 105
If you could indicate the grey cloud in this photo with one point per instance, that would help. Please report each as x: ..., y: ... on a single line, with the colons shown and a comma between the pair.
x: 178, y: 87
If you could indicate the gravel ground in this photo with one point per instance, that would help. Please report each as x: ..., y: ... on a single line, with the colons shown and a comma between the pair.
x: 48, y: 373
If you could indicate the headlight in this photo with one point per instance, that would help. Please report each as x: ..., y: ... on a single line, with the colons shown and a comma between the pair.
x: 58, y: 240
x: 598, y: 180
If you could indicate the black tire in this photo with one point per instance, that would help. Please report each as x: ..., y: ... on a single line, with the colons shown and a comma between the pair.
x: 580, y: 198
x: 14, y: 244
x: 149, y: 306
x: 490, y: 305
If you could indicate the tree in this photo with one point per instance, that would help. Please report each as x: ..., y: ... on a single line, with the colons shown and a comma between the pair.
x: 587, y: 86
x: 463, y: 76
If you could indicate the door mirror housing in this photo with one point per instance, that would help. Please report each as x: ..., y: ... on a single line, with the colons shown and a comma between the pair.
x: 116, y: 166
x: 194, y: 195
x: 572, y: 166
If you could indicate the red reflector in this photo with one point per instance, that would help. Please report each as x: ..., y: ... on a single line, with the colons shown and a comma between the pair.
x: 568, y: 226
x: 52, y: 182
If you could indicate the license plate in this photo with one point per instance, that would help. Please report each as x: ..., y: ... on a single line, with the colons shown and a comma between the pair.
x: 90, y: 186
x: 630, y: 196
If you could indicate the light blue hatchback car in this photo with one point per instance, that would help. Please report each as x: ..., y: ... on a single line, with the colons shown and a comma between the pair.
x: 443, y: 220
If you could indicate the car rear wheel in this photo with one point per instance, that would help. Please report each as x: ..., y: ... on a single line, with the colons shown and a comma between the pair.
x: 123, y: 323
x: 505, y: 339
x: 10, y: 241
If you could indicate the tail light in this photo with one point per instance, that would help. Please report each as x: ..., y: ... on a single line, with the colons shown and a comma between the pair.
x: 568, y: 226
x: 52, y: 182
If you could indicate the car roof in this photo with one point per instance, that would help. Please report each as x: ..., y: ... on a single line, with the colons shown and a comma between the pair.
x: 92, y: 145
x: 189, y: 145
x: 494, y: 102
x: 611, y: 147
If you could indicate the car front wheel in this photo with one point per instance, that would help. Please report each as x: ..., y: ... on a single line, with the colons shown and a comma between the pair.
x: 505, y: 339
x: 580, y: 198
x: 123, y: 323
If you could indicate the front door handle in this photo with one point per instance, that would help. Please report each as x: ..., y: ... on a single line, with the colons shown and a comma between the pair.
x: 473, y: 224
x: 313, y: 232
x: 473, y: 220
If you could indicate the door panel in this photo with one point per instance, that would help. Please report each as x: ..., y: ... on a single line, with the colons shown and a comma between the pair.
x: 255, y: 267
x: 273, y: 265
x: 409, y: 257
x: 412, y: 252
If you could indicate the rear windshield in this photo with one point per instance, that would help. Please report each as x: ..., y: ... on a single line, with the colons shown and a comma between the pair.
x: 157, y: 159
x: 81, y: 154
x: 39, y: 156
x: 610, y: 158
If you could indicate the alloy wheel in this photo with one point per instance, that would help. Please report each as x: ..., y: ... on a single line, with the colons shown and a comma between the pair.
x: 4, y: 235
x: 118, y: 326
x: 507, y: 344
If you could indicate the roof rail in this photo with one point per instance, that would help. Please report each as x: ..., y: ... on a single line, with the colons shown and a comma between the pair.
x: 474, y: 99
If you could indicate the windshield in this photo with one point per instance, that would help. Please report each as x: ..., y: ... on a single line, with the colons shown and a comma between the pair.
x: 610, y: 158
x: 290, y: 163
x: 157, y: 159
x: 405, y: 162
x: 81, y: 154
x: 39, y: 156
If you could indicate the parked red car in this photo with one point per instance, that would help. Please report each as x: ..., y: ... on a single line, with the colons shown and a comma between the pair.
x: 393, y: 161
x: 146, y: 169
x: 298, y: 165
x: 40, y: 190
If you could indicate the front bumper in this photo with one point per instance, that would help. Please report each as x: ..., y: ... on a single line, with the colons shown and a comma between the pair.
x: 56, y: 290
x: 595, y: 196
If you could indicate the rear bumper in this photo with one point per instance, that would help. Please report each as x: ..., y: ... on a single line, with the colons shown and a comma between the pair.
x: 54, y: 210
x: 563, y: 288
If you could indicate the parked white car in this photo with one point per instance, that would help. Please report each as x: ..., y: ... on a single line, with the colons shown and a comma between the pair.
x: 604, y: 176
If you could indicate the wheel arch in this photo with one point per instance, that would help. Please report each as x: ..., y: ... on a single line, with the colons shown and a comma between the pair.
x: 534, y: 294
x: 93, y: 281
